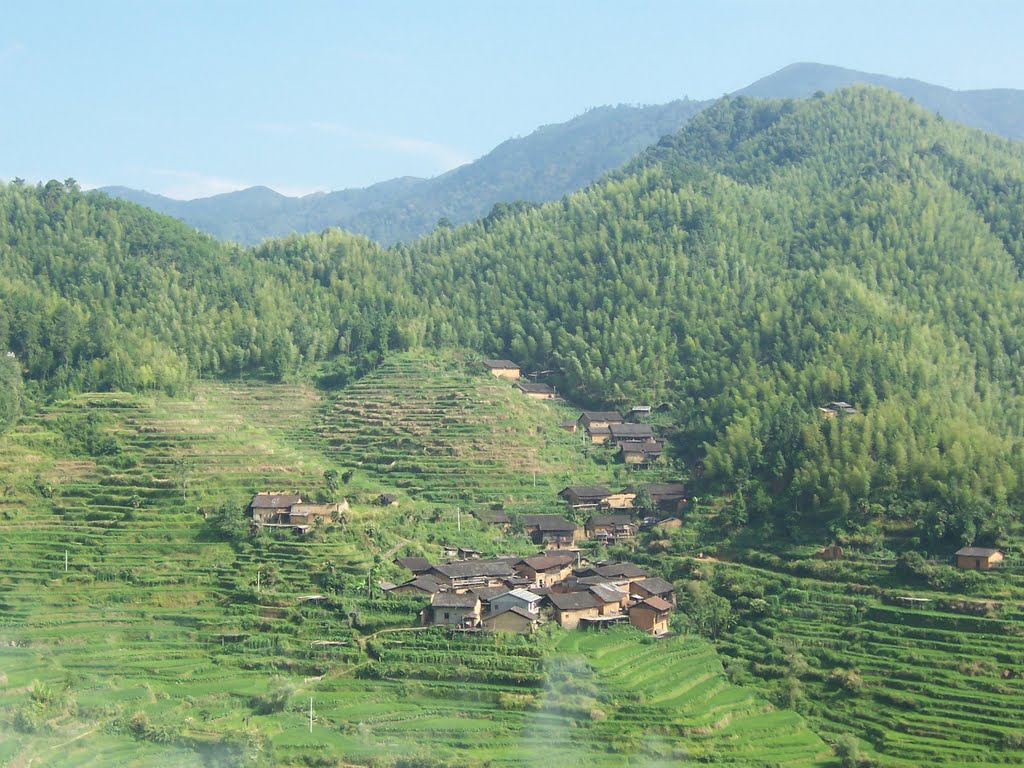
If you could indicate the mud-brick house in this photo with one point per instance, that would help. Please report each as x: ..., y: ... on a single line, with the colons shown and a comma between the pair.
x: 512, y: 620
x: 651, y: 615
x: 631, y: 432
x: 641, y: 452
x: 273, y: 508
x: 653, y: 587
x: 584, y: 496
x: 628, y: 572
x: 551, y: 530
x: 978, y: 558
x: 449, y: 609
x: 420, y: 585
x: 570, y: 607
x: 610, y: 527
x: 548, y: 569
x: 497, y: 518
x: 611, y: 600
x: 502, y: 369
x: 305, y: 516
x: 463, y: 575
x: 597, y: 424
x: 537, y: 391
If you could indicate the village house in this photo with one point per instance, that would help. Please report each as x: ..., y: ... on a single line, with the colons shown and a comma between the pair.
x: 668, y: 497
x: 502, y: 369
x: 611, y: 600
x: 272, y: 508
x: 614, y: 571
x: 551, y: 530
x: 304, y: 516
x: 414, y: 564
x: 512, y: 620
x: 454, y: 610
x: 640, y: 411
x: 610, y: 527
x: 463, y: 575
x: 420, y: 585
x: 597, y: 423
x: 837, y: 408
x: 496, y: 518
x: 517, y: 598
x: 570, y: 607
x: 641, y: 452
x: 631, y: 432
x: 547, y: 569
x: 979, y: 558
x: 568, y: 426
x: 584, y: 496
x: 537, y: 391
x: 653, y: 587
x: 651, y: 615
x: 623, y: 500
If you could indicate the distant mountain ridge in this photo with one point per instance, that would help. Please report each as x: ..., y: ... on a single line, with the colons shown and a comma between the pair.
x: 549, y: 163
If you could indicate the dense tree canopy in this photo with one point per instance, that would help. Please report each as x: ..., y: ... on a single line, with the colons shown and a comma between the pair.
x: 768, y: 259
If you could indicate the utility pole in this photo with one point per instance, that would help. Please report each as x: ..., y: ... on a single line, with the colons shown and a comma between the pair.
x: 65, y: 561
x: 458, y: 517
x: 310, y: 714
x: 257, y: 579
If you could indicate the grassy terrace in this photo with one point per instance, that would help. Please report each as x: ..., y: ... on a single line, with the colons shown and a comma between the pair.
x: 920, y: 686
x: 154, y: 645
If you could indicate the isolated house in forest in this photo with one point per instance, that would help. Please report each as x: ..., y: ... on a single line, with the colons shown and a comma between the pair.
x: 978, y: 558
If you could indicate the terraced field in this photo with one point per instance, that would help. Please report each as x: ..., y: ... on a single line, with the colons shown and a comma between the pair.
x: 921, y: 686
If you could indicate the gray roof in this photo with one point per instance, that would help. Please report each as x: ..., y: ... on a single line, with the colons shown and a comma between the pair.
x: 609, y: 520
x: 572, y: 601
x: 977, y: 551
x: 631, y: 431
x: 469, y: 568
x: 661, y: 491
x: 493, y: 363
x: 453, y: 600
x: 655, y: 585
x: 513, y: 609
x: 601, y: 416
x: 414, y: 564
x: 274, y: 500
x: 549, y: 522
x: 424, y: 583
x: 525, y: 595
x: 656, y: 603
x: 540, y: 389
x: 595, y: 492
x: 625, y: 570
x: 606, y: 593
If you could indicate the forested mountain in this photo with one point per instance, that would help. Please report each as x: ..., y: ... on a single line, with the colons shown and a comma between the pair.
x: 997, y: 110
x: 769, y: 258
x: 551, y: 162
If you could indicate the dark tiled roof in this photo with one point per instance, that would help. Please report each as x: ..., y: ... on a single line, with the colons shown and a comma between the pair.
x: 535, y: 389
x: 631, y: 431
x: 655, y: 586
x: 493, y: 518
x: 572, y: 601
x: 656, y: 603
x: 545, y: 562
x: 513, y: 609
x: 470, y: 568
x: 661, y: 491
x: 489, y: 593
x: 492, y: 363
x: 549, y: 522
x: 584, y: 492
x: 650, y: 448
x: 414, y: 564
x: 605, y: 593
x: 602, y: 416
x: 423, y: 583
x: 274, y: 500
x: 452, y: 600
x: 624, y: 570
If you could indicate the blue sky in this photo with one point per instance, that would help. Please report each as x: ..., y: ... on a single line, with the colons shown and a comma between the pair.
x: 195, y: 98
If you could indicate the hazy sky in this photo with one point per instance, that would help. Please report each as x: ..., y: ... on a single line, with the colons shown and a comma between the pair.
x: 195, y: 98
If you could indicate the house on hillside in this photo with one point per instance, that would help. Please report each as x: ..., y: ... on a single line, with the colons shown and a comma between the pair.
x: 414, y: 564
x: 651, y: 615
x: 653, y: 587
x: 449, y: 609
x: 568, y: 426
x: 611, y: 599
x: 420, y: 585
x: 618, y: 571
x: 551, y: 530
x: 979, y: 558
x: 837, y: 408
x: 570, y: 607
x: 537, y: 391
x: 517, y: 598
x: 610, y: 527
x: 512, y: 620
x: 584, y: 496
x: 502, y: 369
x: 669, y: 497
x: 640, y: 452
x: 597, y: 424
x: 497, y: 518
x: 623, y: 500
x: 463, y: 575
x: 272, y: 507
x: 304, y: 516
x: 631, y: 432
x: 546, y: 570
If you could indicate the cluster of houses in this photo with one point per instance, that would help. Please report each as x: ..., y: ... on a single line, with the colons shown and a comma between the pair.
x: 635, y: 443
x: 517, y: 594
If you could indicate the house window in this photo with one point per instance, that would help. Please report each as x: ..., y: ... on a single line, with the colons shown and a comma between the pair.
x: 446, y: 615
x: 977, y: 564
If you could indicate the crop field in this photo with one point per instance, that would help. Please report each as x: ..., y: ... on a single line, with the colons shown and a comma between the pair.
x: 920, y: 685
x: 131, y: 632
